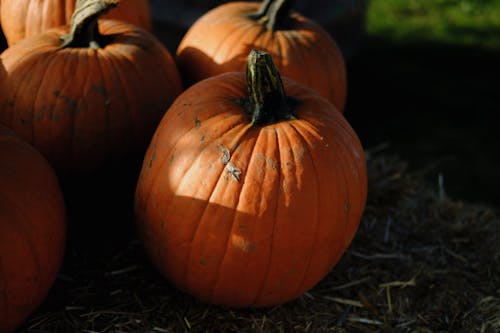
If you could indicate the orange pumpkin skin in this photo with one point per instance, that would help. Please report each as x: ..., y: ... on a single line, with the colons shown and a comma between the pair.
x: 24, y: 18
x: 267, y: 235
x: 221, y: 39
x: 83, y: 107
x: 32, y: 229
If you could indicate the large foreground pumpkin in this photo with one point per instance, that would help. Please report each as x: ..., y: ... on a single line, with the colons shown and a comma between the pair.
x: 250, y: 198
x: 32, y: 229
x: 24, y: 18
x: 92, y: 97
x: 221, y: 39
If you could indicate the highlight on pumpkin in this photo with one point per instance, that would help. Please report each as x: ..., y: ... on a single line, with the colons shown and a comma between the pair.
x: 247, y: 214
x: 220, y: 40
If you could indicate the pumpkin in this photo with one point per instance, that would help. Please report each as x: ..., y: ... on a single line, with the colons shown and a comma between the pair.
x: 24, y: 18
x: 221, y: 39
x: 248, y: 197
x: 32, y: 229
x: 95, y: 96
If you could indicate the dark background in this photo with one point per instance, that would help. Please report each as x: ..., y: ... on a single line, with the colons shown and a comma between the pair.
x: 436, y: 106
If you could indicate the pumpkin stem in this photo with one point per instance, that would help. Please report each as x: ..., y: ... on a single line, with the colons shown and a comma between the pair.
x: 274, y: 13
x: 267, y: 101
x: 84, y: 30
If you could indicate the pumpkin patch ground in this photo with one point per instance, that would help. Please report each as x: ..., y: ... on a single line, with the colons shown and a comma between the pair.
x: 418, y: 263
x: 424, y: 259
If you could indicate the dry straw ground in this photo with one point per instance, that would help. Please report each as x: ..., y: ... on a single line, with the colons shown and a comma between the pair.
x: 420, y: 262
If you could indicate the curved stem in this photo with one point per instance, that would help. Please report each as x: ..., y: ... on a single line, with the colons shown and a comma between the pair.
x: 267, y: 101
x: 274, y: 13
x: 84, y: 30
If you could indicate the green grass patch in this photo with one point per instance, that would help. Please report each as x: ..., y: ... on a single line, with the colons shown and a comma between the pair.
x: 463, y: 22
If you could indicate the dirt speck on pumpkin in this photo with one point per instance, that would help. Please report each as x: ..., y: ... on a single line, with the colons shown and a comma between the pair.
x: 151, y: 159
x: 233, y: 170
x: 197, y: 122
x: 272, y: 163
x: 242, y: 243
x: 226, y: 155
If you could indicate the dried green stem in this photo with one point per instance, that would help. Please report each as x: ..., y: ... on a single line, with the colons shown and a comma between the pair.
x: 84, y: 30
x: 267, y: 101
x: 274, y: 14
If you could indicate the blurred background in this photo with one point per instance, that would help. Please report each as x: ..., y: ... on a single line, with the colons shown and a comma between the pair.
x: 426, y: 82
x: 423, y: 80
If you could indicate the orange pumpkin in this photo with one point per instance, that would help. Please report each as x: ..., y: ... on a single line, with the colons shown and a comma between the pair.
x: 24, y: 18
x: 92, y: 98
x: 250, y: 198
x: 302, y: 50
x: 32, y: 229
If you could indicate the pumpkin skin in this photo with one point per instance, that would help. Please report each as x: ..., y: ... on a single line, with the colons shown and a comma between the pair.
x: 266, y: 235
x: 220, y: 41
x: 32, y: 229
x: 24, y: 18
x: 83, y: 107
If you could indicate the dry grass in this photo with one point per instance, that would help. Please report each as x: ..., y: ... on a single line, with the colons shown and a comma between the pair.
x: 420, y: 263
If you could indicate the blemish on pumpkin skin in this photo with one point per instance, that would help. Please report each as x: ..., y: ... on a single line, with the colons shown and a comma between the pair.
x: 296, y: 152
x: 226, y: 155
x: 197, y: 122
x: 144, y: 47
x: 260, y: 157
x: 356, y: 153
x: 233, y: 170
x: 299, y: 154
x: 10, y: 103
x: 25, y: 121
x: 180, y: 112
x: 153, y: 154
x: 70, y: 102
x: 325, y: 144
x: 38, y: 116
x: 272, y: 163
x: 242, y: 243
x: 151, y: 159
x: 284, y: 186
x: 204, y: 262
x: 99, y: 88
